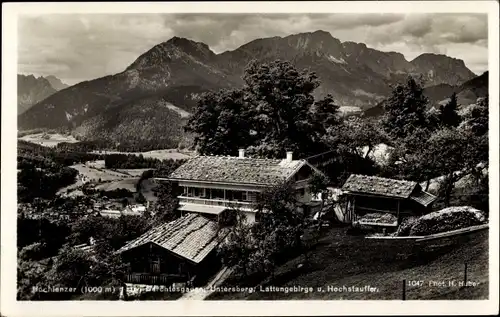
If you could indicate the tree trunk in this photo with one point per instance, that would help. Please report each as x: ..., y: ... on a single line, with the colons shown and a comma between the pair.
x: 448, y: 190
x: 321, y: 210
x: 306, y: 251
x: 370, y: 148
x: 476, y: 173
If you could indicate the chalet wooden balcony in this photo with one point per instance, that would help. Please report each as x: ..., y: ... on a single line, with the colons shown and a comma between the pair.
x: 154, y: 279
x: 302, y: 183
x: 216, y: 202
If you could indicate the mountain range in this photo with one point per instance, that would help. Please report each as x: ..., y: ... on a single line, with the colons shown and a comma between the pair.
x: 172, y: 75
x: 31, y: 90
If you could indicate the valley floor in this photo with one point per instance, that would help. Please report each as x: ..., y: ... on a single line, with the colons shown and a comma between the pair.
x: 166, y: 154
x: 48, y: 139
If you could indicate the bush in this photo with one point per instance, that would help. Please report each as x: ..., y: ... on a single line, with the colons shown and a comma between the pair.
x: 33, y: 252
x: 406, y: 225
x: 451, y: 218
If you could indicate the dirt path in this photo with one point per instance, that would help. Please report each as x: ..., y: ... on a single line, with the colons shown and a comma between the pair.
x: 201, y: 293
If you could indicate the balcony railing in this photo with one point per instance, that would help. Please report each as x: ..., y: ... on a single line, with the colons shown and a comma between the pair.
x: 302, y: 183
x: 216, y: 202
x: 154, y: 279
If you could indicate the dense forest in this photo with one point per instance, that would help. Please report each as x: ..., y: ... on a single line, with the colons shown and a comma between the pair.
x: 63, y: 154
x: 130, y: 161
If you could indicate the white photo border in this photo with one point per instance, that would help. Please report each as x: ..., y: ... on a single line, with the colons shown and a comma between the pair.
x: 10, y: 307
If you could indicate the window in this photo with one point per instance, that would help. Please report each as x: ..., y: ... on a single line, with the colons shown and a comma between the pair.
x: 238, y: 195
x: 233, y: 195
x: 181, y: 268
x: 194, y: 192
x: 217, y: 193
x: 155, y: 265
x: 204, y: 193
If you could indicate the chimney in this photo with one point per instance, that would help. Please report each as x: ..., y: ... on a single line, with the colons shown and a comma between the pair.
x: 289, y: 156
x: 241, y: 153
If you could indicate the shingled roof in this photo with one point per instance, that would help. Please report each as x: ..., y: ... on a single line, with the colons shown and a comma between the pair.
x: 192, y: 237
x: 424, y: 198
x: 379, y: 186
x: 237, y: 170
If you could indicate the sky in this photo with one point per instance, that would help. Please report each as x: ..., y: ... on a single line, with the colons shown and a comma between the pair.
x: 78, y: 47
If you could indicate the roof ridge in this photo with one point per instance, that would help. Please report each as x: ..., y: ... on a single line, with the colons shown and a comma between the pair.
x: 261, y: 171
x: 241, y: 158
x: 245, y: 158
x: 387, y: 178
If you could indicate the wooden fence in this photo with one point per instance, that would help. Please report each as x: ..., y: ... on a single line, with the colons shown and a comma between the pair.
x: 441, y: 235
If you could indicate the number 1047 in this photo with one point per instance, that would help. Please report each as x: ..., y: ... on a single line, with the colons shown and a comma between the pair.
x: 415, y: 283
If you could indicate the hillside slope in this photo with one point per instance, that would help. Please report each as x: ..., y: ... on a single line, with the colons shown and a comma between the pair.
x: 147, y: 123
x: 352, y: 261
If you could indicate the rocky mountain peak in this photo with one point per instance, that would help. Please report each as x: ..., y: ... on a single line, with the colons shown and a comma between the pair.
x: 187, y: 44
x: 31, y: 90
x: 440, y: 68
x: 433, y: 58
x: 320, y: 35
x: 353, y: 45
x: 317, y: 42
x: 56, y: 82
x: 174, y: 49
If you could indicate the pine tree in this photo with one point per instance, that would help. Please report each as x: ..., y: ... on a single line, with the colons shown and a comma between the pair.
x: 448, y: 113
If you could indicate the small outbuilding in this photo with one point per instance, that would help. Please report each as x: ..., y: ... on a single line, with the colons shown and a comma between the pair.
x: 370, y: 194
x: 175, y: 251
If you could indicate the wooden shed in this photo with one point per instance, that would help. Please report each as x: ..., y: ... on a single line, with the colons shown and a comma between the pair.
x: 371, y: 194
x: 174, y: 252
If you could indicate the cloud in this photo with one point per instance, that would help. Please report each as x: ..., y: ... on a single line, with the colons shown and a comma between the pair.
x: 75, y: 46
x: 228, y: 31
x: 85, y: 46
x: 434, y: 29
